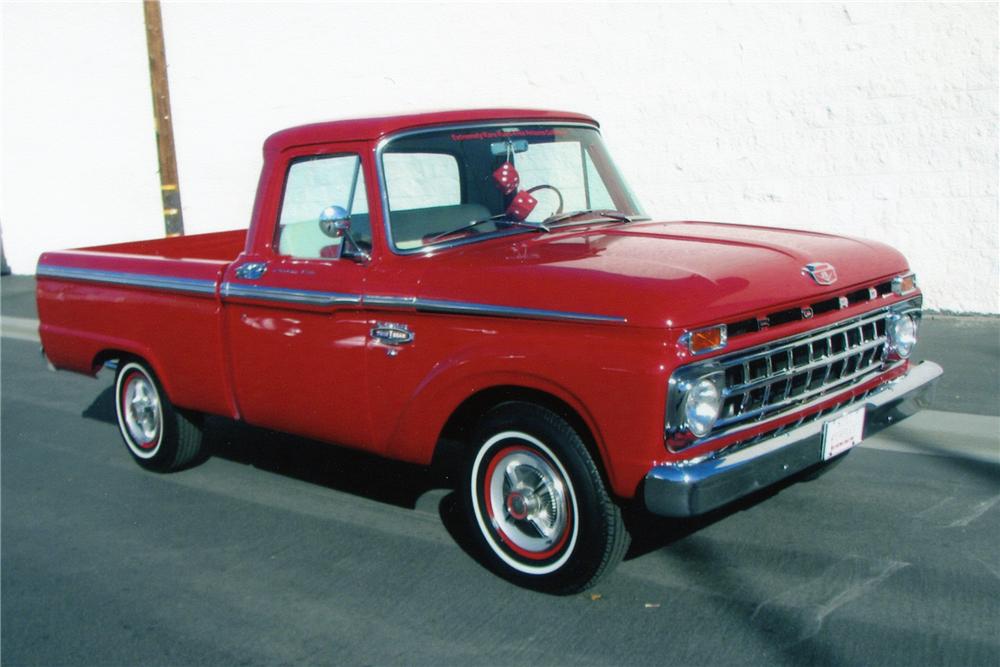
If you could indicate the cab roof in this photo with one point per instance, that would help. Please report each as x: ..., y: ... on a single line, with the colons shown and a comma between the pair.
x: 362, y: 129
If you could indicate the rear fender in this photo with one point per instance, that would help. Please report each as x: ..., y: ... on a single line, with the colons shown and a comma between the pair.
x: 86, y: 353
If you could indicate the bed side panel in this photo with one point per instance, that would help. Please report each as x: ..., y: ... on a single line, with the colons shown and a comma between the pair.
x: 166, y: 311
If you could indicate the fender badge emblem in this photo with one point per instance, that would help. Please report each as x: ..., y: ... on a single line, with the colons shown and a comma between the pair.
x: 392, y: 334
x: 822, y: 272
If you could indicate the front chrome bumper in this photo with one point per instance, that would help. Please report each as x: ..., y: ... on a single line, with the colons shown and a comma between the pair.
x: 681, y: 490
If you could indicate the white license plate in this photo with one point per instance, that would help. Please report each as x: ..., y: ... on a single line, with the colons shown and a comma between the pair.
x: 842, y: 433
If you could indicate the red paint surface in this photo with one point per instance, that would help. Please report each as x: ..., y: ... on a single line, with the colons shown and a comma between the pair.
x: 316, y: 371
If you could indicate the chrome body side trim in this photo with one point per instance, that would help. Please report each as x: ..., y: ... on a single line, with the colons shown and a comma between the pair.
x: 286, y: 295
x: 231, y: 290
x: 408, y: 302
x: 185, y: 285
x: 691, y: 488
x: 314, y: 298
x: 462, y: 308
x: 486, y: 310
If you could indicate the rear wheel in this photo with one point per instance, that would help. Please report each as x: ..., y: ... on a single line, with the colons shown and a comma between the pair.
x: 158, y: 436
x: 537, y: 504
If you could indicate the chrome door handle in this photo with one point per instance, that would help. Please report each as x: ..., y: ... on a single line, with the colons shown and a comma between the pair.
x: 251, y: 270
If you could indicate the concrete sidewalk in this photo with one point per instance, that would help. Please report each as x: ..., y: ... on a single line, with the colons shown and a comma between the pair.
x: 17, y: 297
x: 968, y: 348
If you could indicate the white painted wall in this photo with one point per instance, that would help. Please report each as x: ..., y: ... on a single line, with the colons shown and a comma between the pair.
x: 77, y: 143
x: 873, y: 120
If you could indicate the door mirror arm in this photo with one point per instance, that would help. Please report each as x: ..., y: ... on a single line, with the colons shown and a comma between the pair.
x: 335, y: 222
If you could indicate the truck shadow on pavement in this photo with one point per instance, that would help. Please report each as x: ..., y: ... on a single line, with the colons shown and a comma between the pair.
x: 403, y: 485
x: 396, y: 483
x: 338, y: 468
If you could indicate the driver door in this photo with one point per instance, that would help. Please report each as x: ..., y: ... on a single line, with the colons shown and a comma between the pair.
x: 297, y: 328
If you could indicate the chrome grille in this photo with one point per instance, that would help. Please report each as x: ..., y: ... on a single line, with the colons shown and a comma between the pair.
x: 793, y: 374
x: 779, y: 377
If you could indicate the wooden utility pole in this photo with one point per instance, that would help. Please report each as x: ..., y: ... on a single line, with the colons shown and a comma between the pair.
x: 169, y: 188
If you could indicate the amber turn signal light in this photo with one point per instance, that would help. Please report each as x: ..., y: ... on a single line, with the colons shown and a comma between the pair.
x: 904, y: 284
x: 705, y: 340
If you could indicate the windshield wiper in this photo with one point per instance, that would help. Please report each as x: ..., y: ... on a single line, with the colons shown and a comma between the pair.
x: 597, y: 212
x: 543, y: 226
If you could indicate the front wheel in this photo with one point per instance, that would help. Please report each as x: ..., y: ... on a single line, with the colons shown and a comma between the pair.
x: 158, y: 436
x: 537, y: 503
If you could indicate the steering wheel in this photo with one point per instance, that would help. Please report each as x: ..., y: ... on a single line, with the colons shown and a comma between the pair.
x: 546, y: 186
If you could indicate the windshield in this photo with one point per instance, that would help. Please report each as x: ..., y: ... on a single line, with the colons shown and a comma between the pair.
x: 460, y: 184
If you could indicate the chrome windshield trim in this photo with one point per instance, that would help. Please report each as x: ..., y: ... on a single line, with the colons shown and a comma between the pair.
x: 285, y: 295
x: 384, y: 196
x: 487, y: 310
x: 185, y: 285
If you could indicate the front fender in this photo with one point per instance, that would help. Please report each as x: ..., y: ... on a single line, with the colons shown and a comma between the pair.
x: 437, y: 399
x: 618, y: 399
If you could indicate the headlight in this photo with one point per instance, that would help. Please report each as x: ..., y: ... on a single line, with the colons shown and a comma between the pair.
x: 701, y: 407
x: 902, y: 331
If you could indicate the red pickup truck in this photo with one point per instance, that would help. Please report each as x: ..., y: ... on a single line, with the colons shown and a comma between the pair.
x: 487, y: 277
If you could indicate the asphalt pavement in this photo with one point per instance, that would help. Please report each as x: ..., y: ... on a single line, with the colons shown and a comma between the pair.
x: 278, y: 550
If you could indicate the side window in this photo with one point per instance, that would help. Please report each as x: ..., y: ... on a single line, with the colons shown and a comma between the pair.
x: 312, y: 184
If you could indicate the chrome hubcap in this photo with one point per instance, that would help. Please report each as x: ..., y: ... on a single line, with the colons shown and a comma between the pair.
x: 531, y: 501
x: 142, y: 411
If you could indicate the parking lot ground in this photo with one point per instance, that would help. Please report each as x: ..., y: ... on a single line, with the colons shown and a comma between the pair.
x: 282, y: 550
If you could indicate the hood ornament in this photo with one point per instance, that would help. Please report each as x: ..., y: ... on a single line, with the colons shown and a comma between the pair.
x: 822, y: 272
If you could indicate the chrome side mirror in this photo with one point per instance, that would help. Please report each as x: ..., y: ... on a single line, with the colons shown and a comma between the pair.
x: 335, y: 221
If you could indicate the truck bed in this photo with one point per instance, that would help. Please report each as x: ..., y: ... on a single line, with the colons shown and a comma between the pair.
x: 157, y: 299
x: 218, y: 246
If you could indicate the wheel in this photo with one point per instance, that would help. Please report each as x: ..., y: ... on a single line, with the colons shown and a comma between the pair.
x: 537, y: 504
x: 158, y: 436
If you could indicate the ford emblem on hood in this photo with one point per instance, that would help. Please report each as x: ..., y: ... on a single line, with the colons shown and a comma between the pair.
x: 821, y: 272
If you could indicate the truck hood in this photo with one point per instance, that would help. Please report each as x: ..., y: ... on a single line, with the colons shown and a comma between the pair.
x: 656, y: 274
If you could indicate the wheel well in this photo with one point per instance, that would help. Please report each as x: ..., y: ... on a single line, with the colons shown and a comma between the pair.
x: 105, y: 356
x: 465, y: 417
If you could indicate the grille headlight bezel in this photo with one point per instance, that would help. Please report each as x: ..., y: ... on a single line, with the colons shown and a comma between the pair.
x: 702, y: 406
x: 901, y: 332
x: 694, y: 401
